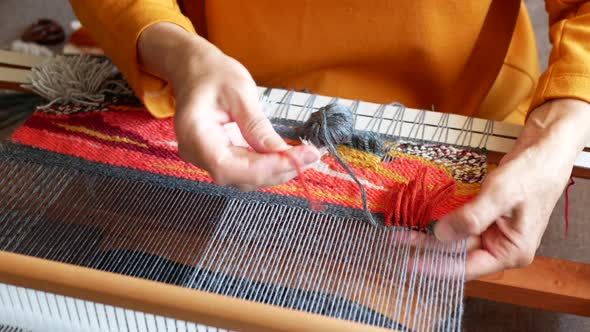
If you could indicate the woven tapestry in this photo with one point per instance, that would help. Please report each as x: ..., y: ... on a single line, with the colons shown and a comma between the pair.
x: 411, y: 184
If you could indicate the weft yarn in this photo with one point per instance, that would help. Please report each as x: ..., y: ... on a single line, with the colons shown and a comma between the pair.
x: 333, y: 125
x: 339, y: 125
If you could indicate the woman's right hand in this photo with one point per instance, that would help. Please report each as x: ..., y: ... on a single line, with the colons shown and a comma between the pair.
x: 213, y: 91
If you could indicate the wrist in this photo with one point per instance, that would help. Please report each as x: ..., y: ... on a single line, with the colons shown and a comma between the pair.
x: 167, y: 50
x: 566, y: 121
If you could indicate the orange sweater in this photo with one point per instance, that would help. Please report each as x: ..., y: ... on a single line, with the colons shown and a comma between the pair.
x: 373, y: 50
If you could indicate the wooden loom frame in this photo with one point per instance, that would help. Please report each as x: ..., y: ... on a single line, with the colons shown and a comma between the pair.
x: 548, y: 283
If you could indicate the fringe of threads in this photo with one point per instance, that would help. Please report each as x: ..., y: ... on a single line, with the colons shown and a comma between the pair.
x: 80, y: 80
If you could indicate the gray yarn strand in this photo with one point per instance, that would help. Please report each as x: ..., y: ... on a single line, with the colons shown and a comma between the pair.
x: 368, y: 141
x: 331, y: 123
x: 339, y: 124
x: 332, y: 149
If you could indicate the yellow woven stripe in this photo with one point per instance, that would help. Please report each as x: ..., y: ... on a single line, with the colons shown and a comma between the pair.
x: 368, y: 161
x: 96, y: 134
x: 322, y: 194
x: 466, y: 189
x: 182, y: 169
x: 396, y: 154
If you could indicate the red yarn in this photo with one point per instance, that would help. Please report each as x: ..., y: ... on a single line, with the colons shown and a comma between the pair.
x: 313, y: 204
x: 567, y: 204
x: 412, y: 204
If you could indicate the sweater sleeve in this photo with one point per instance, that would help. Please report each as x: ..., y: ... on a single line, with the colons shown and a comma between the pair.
x: 568, y: 74
x: 116, y: 26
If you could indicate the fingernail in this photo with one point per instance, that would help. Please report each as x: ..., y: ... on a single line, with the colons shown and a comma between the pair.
x: 444, y: 231
x: 310, y: 157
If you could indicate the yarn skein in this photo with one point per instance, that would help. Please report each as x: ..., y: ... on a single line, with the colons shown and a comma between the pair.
x: 340, y: 130
x: 333, y: 125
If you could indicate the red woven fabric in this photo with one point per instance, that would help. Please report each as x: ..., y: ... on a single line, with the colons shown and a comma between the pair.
x: 414, y: 188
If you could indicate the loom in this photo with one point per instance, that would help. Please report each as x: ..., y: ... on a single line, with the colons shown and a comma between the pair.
x: 103, y: 229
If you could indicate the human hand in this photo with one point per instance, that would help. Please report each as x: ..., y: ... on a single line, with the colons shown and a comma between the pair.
x: 213, y: 90
x: 516, y: 200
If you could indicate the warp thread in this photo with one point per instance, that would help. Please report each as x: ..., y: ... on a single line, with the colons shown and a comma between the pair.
x: 331, y: 125
x: 567, y: 204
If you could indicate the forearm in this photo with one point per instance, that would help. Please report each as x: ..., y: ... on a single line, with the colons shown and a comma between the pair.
x: 166, y: 50
x: 563, y: 121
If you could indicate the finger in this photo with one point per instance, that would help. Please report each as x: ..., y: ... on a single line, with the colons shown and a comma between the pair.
x: 428, y: 242
x: 437, y: 264
x: 256, y: 128
x: 476, y: 216
x: 242, y: 166
x: 210, y: 148
x: 199, y: 128
x: 274, y: 181
x: 235, y: 135
x: 480, y: 263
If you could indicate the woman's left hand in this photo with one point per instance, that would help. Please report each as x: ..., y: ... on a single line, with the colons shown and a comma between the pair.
x: 516, y: 200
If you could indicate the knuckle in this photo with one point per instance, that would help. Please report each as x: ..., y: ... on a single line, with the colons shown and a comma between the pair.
x: 260, y: 179
x: 525, y: 257
x: 469, y: 222
x: 520, y: 256
x: 218, y: 178
x: 256, y: 123
x: 494, y: 182
x: 217, y: 172
x: 240, y: 69
x: 184, y: 154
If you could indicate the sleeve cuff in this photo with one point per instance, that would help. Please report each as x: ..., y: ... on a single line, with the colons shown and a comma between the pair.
x: 155, y: 93
x: 555, y: 84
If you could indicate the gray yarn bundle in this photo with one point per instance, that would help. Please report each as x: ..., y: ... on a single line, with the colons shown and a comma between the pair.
x: 79, y: 80
x: 333, y: 125
x: 338, y: 124
x: 339, y: 127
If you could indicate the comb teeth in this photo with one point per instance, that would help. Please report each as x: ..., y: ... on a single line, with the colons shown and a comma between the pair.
x: 5, y: 328
x: 183, y: 233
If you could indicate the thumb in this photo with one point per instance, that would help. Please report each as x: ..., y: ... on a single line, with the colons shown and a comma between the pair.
x: 258, y: 131
x: 255, y: 126
x: 476, y: 216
